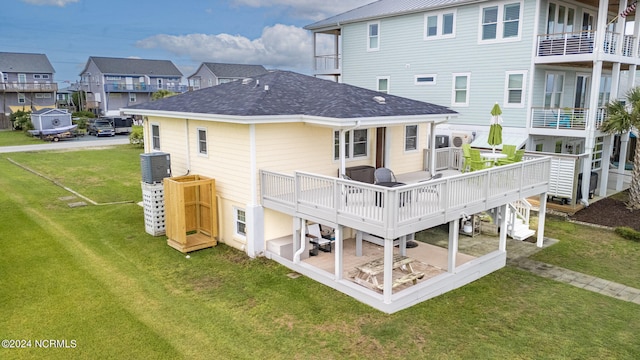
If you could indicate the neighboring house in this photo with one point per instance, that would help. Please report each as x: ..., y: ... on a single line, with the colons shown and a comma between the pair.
x: 64, y: 99
x: 114, y: 83
x: 275, y: 145
x: 551, y: 65
x: 26, y: 83
x: 211, y: 74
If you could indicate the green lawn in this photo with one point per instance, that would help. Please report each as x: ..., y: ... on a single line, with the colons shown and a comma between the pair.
x: 14, y: 138
x: 91, y: 274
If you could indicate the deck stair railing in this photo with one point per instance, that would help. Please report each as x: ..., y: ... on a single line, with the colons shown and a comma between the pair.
x: 519, y: 210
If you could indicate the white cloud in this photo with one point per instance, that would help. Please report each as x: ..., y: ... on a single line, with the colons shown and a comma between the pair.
x: 308, y: 9
x: 60, y: 3
x: 279, y: 46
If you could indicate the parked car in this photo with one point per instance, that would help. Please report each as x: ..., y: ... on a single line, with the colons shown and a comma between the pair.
x: 100, y: 127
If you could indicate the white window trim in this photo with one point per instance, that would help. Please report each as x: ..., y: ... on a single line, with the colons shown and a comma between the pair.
x: 133, y: 98
x: 22, y: 99
x: 388, y: 78
x: 564, y: 83
x: 369, y: 48
x: 506, y: 89
x: 424, y: 83
x: 236, y: 220
x: 153, y: 147
x: 351, y: 157
x: 500, y: 25
x: 206, y: 142
x: 453, y: 89
x: 417, y: 139
x: 440, y: 25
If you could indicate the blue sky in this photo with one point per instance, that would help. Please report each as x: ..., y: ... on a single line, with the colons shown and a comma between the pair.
x: 186, y: 32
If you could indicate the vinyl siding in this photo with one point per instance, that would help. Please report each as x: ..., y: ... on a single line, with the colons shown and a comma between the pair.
x: 403, y: 54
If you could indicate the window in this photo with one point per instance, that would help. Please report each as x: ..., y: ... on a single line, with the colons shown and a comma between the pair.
x: 22, y: 78
x: 358, y: 147
x: 21, y: 99
x: 40, y: 76
x: 43, y: 95
x: 460, y: 95
x: 241, y: 222
x: 560, y: 19
x: 500, y: 22
x: 553, y: 87
x: 425, y: 79
x: 155, y: 136
x: 5, y: 77
x: 202, y: 141
x: 383, y: 84
x: 439, y: 25
x: 410, y: 137
x: 373, y: 40
x: 514, y: 92
x: 113, y: 78
x: 132, y: 97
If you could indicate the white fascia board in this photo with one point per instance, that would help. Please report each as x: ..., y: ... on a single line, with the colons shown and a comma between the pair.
x: 378, y: 121
x: 235, y: 119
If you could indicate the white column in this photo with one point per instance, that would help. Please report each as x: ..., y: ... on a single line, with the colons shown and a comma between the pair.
x: 607, y: 150
x: 454, y: 232
x: 432, y: 148
x: 503, y: 228
x: 542, y: 212
x: 388, y: 270
x: 339, y: 251
x: 622, y: 161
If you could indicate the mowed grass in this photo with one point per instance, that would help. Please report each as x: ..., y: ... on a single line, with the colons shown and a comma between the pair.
x: 594, y: 251
x: 15, y: 138
x: 92, y: 275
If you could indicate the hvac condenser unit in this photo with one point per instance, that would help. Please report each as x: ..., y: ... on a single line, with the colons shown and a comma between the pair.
x: 155, y: 167
x: 457, y: 139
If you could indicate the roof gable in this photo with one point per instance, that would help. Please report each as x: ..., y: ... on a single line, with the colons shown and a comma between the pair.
x: 281, y: 93
x: 124, y: 66
x: 25, y: 63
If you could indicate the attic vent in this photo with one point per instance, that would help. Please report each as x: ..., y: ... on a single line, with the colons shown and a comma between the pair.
x: 246, y: 81
x: 379, y: 99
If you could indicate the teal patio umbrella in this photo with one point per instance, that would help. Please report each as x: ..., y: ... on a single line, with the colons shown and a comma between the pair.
x: 495, y: 130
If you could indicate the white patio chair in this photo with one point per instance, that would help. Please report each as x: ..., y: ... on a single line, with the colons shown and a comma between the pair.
x: 315, y: 237
x: 384, y: 175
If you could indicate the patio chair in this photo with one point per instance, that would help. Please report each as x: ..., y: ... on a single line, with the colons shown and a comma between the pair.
x: 466, y: 157
x: 517, y: 157
x: 508, y: 150
x: 315, y: 237
x: 384, y: 175
x: 476, y: 162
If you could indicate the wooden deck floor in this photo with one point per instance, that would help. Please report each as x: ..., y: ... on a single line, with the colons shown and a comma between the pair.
x: 430, y: 259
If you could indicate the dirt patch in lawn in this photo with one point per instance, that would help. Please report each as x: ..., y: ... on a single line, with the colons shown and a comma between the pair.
x: 611, y: 212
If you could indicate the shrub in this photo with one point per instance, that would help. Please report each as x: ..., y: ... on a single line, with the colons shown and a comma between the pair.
x: 21, y: 120
x: 628, y: 233
x: 137, y: 136
x: 83, y: 114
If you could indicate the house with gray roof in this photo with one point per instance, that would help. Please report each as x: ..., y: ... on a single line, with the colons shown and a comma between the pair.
x: 211, y: 74
x: 294, y: 160
x: 26, y: 83
x: 552, y: 66
x: 113, y: 83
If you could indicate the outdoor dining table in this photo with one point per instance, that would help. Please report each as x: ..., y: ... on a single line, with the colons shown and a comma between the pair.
x: 368, y: 273
x: 493, y: 157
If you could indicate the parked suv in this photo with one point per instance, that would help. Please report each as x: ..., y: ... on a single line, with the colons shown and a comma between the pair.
x: 100, y: 127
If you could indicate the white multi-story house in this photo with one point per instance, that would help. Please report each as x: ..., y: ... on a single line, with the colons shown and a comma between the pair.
x: 551, y: 65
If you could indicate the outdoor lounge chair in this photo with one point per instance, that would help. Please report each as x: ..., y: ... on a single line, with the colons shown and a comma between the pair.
x: 476, y: 162
x: 315, y: 237
x: 466, y: 157
x: 516, y: 158
x: 384, y: 175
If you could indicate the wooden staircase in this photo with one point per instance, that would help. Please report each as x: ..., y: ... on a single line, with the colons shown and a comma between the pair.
x: 518, y: 214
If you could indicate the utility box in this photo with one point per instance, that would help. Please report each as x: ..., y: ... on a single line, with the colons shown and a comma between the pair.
x: 155, y: 167
x: 442, y: 141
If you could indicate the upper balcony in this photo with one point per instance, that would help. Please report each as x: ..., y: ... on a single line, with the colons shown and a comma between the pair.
x: 28, y: 87
x: 569, y: 121
x: 328, y: 65
x: 144, y: 88
x: 579, y: 46
x: 398, y: 211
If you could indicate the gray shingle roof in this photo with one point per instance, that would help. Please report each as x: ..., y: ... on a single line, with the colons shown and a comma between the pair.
x: 124, y: 66
x: 235, y: 70
x: 291, y: 93
x: 383, y: 8
x: 25, y: 63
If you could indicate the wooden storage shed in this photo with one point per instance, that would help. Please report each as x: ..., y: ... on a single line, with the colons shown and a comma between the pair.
x: 191, y: 215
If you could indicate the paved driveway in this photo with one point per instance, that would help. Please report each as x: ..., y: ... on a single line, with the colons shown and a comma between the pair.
x: 76, y: 143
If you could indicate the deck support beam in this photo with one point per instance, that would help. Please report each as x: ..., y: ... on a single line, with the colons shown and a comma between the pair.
x: 542, y: 211
x: 502, y: 225
x: 388, y: 270
x: 454, y: 232
x: 339, y: 251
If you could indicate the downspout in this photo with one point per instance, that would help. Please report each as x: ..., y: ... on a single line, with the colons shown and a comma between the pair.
x: 186, y: 130
x: 341, y: 149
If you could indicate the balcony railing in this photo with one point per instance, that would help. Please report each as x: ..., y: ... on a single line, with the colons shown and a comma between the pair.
x: 28, y: 87
x: 397, y: 211
x: 582, y: 42
x: 560, y: 119
x: 327, y: 64
x: 144, y: 88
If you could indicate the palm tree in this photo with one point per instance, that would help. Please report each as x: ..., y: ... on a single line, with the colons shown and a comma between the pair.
x: 623, y: 117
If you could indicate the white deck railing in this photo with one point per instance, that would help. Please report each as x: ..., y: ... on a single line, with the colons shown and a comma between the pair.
x: 575, y: 43
x: 559, y: 118
x: 397, y: 211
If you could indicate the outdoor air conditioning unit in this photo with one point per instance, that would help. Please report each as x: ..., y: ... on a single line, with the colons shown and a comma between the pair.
x: 457, y: 139
x: 155, y: 167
